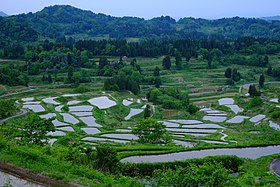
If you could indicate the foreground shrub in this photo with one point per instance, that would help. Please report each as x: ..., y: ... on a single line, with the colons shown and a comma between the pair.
x: 203, y: 175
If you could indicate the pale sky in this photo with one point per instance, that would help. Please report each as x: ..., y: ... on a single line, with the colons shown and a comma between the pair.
x: 210, y: 9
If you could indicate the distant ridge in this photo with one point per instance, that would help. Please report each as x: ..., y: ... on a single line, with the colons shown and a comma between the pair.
x: 3, y: 14
x: 64, y: 20
x: 271, y: 18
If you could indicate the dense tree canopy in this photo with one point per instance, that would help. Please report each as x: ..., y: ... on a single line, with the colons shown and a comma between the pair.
x: 57, y: 21
x: 35, y: 130
x: 7, y: 108
x: 169, y: 98
x: 151, y: 131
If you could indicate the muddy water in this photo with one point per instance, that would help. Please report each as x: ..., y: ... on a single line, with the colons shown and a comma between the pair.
x: 15, y: 181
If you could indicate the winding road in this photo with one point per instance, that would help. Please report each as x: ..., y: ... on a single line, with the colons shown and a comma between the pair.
x: 22, y: 112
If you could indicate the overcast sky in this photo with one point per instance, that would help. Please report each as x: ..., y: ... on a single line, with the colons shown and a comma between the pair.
x: 154, y: 8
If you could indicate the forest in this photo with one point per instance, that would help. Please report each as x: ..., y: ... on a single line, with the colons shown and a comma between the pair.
x: 55, y: 22
x: 49, y: 58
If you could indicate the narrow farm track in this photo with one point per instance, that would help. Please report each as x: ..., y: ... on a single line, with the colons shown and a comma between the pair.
x: 22, y: 112
x: 247, y: 85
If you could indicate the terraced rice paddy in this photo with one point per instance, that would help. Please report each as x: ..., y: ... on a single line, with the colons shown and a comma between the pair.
x: 198, y: 130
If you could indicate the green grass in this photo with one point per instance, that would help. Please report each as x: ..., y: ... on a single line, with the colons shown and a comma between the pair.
x: 54, y: 163
x: 257, y: 173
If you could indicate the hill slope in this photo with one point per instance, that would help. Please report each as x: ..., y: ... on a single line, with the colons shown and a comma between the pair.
x: 272, y: 18
x: 60, y: 20
x: 15, y: 30
x: 3, y: 14
x: 71, y: 21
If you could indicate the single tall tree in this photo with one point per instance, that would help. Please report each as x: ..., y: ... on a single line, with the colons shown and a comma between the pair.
x: 156, y: 72
x: 178, y: 58
x: 261, y: 81
x: 269, y: 70
x: 253, y: 90
x: 35, y: 130
x: 209, y: 59
x: 70, y: 74
x: 166, y: 63
x: 151, y: 131
x: 147, y: 111
x: 103, y: 61
x: 157, y: 82
x: 228, y: 73
x: 50, y: 78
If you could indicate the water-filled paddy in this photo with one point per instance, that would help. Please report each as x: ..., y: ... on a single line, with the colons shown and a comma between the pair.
x: 257, y: 118
x: 48, y: 116
x: 236, y: 109
x: 82, y: 114
x: 71, y: 95
x: 121, y: 136
x: 274, y: 100
x: 170, y: 124
x: 104, y: 140
x: 90, y: 121
x: 133, y: 112
x: 102, y: 102
x: 68, y: 128
x: 35, y: 108
x: 184, y: 143
x: 51, y: 100
x: 226, y: 101
x: 250, y: 152
x: 58, y: 108
x: 274, y: 125
x: 59, y: 123
x: 91, y: 130
x: 32, y: 103
x: 68, y: 118
x: 27, y: 99
x: 214, y: 142
x: 186, y: 122
x: 126, y: 102
x: 204, y: 126
x: 214, y: 118
x: 56, y: 133
x: 83, y: 108
x: 73, y: 102
x: 237, y: 119
x: 192, y: 130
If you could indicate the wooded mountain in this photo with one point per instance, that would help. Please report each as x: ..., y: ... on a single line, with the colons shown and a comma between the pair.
x: 15, y: 30
x: 3, y: 14
x: 272, y: 18
x: 65, y: 20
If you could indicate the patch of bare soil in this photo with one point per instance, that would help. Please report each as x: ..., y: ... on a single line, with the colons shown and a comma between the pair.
x: 33, y: 177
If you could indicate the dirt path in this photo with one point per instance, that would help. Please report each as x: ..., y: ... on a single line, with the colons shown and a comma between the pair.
x: 22, y: 112
x: 33, y: 177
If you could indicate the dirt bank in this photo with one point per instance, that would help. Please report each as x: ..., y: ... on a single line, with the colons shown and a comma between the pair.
x: 33, y: 177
